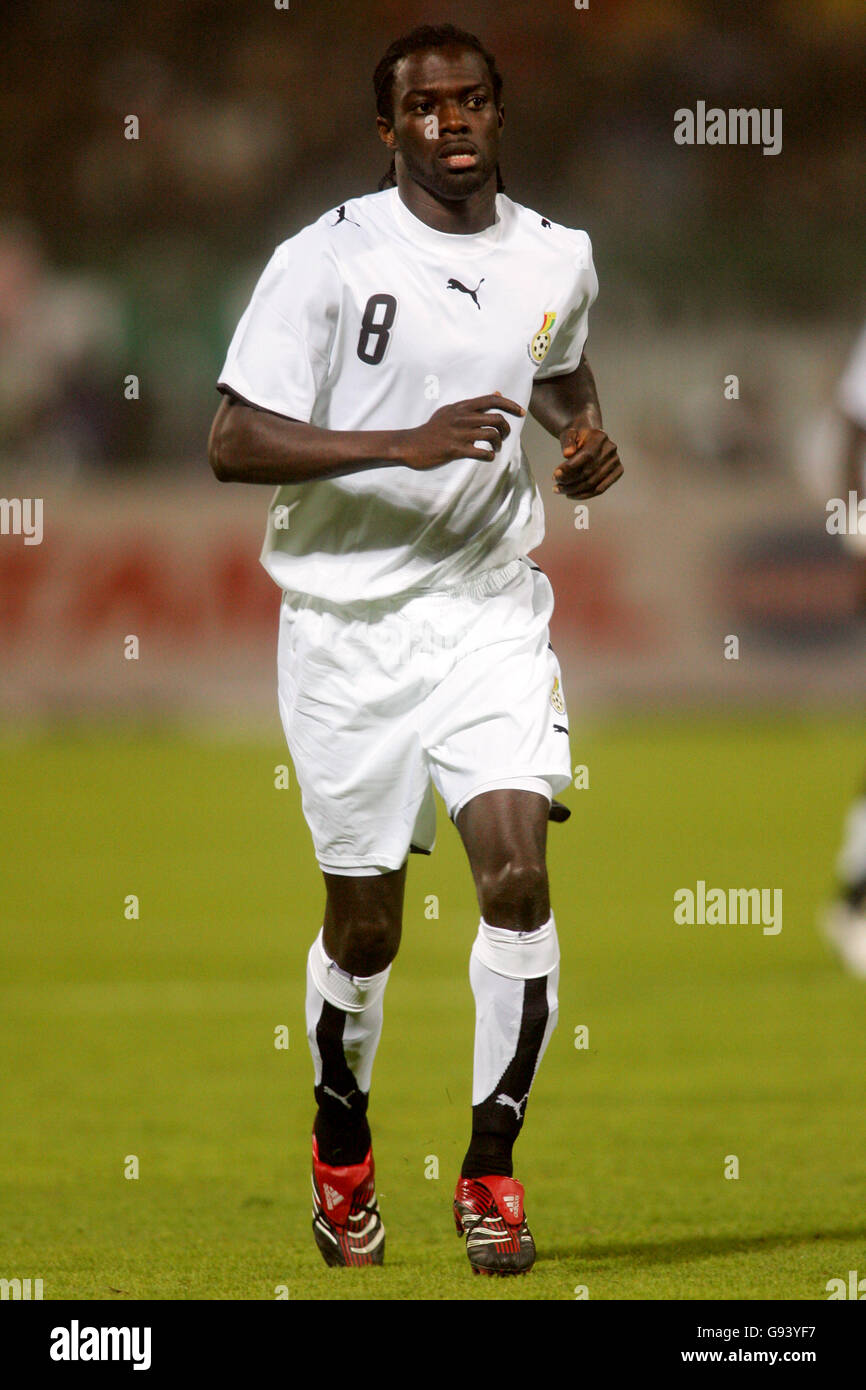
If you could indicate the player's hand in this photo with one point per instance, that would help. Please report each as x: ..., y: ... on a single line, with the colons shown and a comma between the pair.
x: 590, y: 463
x: 473, y: 429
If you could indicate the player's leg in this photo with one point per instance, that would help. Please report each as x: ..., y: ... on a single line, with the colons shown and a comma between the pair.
x: 347, y: 706
x: 363, y: 919
x: 497, y: 738
x: 514, y: 967
x: 347, y: 971
x: 505, y: 835
x: 844, y: 920
x: 514, y: 972
x: 852, y: 855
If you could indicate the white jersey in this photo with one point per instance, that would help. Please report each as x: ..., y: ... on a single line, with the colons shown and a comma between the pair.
x: 852, y: 388
x: 368, y: 319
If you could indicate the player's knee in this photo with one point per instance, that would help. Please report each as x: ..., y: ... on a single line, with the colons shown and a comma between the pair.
x: 515, y: 895
x: 368, y: 943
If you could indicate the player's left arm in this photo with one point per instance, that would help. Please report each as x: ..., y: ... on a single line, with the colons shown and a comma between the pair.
x: 567, y: 406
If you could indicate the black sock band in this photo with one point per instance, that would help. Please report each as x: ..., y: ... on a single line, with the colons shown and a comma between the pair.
x: 498, y: 1120
x: 341, y: 1128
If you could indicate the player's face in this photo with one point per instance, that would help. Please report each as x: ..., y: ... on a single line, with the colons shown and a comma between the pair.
x: 454, y: 154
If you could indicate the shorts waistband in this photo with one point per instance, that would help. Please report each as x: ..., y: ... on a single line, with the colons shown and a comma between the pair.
x: 487, y: 582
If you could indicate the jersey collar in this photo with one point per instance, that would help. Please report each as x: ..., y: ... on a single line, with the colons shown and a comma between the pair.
x: 452, y: 243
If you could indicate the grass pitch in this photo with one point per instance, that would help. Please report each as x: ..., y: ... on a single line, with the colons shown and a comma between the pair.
x: 154, y: 1037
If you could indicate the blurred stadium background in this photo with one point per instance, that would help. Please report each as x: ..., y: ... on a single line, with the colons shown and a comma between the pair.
x: 122, y: 257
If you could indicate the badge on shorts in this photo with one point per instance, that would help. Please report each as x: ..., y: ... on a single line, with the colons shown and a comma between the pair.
x: 556, y: 697
x: 539, y: 345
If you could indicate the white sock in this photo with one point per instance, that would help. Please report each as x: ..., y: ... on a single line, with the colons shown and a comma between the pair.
x: 344, y: 1024
x: 852, y: 856
x: 515, y: 979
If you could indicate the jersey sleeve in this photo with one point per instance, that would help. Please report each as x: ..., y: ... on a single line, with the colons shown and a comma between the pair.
x: 279, y: 356
x: 851, y: 393
x: 572, y: 330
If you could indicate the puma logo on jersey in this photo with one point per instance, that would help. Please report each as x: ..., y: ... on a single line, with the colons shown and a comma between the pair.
x: 344, y: 1100
x: 464, y: 289
x: 341, y: 217
x: 516, y: 1105
x: 560, y: 729
x: 544, y: 222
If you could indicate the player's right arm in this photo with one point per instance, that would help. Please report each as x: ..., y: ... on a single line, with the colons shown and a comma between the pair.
x: 278, y: 364
x: 251, y: 445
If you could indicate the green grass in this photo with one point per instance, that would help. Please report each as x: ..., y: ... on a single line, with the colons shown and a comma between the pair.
x: 155, y: 1037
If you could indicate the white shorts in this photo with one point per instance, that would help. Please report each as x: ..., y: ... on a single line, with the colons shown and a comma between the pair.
x: 382, y: 701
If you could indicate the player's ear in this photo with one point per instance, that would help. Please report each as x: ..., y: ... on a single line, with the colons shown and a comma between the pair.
x: 501, y: 114
x: 386, y: 132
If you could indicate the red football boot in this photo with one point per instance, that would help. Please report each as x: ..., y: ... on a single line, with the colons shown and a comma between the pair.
x: 489, y: 1212
x: 346, y: 1221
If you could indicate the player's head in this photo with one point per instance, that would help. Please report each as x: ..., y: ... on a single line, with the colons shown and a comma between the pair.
x: 438, y: 70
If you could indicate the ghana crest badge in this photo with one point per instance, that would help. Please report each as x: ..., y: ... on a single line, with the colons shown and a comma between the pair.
x: 539, y: 345
x: 556, y: 697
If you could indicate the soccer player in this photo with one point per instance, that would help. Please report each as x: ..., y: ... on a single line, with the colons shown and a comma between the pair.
x: 844, y: 921
x: 380, y: 377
